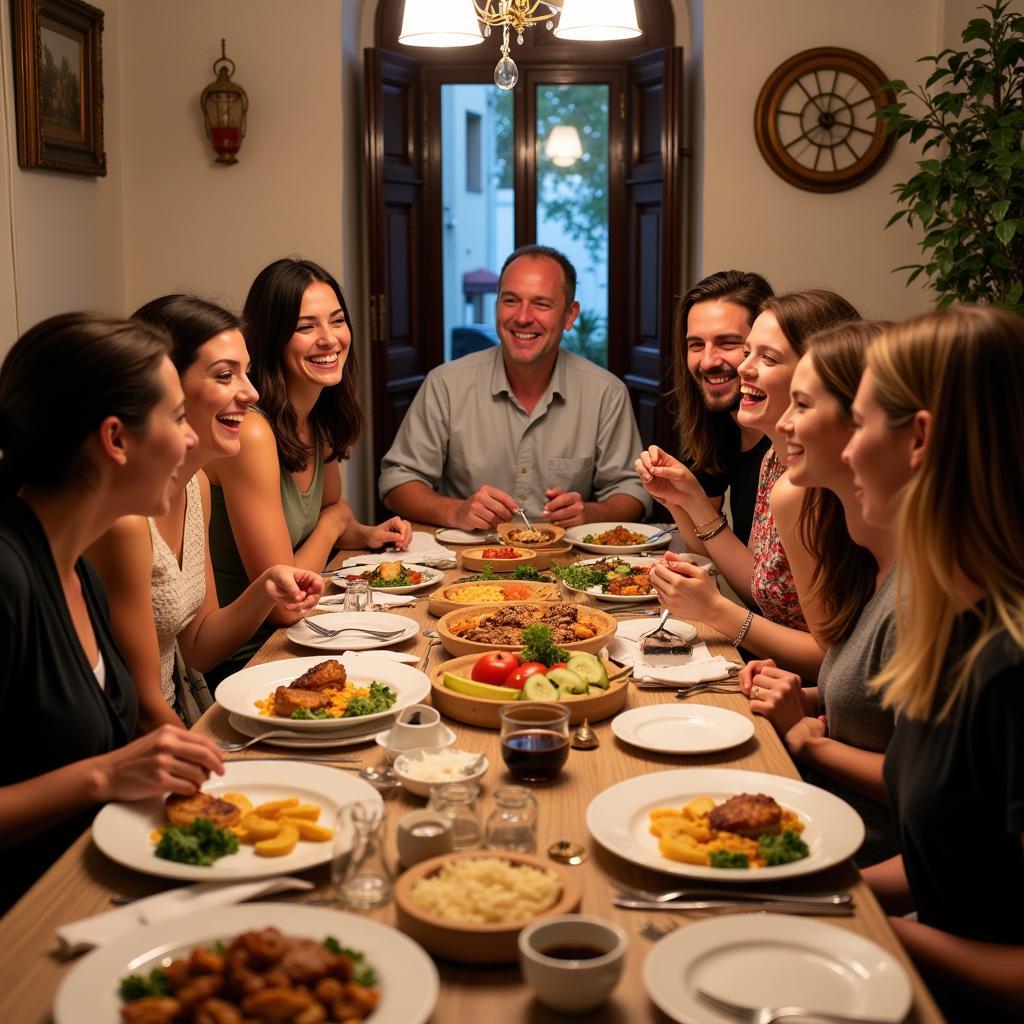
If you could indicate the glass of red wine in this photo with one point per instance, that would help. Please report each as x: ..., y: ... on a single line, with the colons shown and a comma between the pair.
x: 534, y: 739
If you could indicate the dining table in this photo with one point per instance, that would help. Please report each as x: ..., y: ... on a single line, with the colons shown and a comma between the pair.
x: 83, y: 881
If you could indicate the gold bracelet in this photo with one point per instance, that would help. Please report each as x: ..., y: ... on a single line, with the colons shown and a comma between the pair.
x: 744, y: 629
x: 713, y: 519
x: 714, y: 532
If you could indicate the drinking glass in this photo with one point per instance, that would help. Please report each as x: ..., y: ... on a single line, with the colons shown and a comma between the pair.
x: 534, y: 739
x: 457, y: 801
x: 512, y: 824
x: 360, y: 873
x: 358, y: 597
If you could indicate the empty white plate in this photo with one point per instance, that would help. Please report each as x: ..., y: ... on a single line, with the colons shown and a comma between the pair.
x: 682, y: 728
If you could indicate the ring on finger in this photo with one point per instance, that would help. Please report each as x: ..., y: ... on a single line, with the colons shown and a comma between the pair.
x: 754, y: 692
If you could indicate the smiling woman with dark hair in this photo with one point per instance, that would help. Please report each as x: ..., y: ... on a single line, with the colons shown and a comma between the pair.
x: 280, y: 500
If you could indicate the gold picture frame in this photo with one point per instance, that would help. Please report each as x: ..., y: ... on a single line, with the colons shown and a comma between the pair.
x: 58, y: 82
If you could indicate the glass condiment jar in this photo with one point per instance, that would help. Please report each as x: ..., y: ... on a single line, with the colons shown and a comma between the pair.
x: 362, y: 877
x: 512, y: 825
x: 457, y: 801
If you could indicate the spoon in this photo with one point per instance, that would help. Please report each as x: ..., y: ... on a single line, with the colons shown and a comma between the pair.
x: 584, y: 738
x: 522, y: 514
x: 382, y: 778
x: 431, y: 635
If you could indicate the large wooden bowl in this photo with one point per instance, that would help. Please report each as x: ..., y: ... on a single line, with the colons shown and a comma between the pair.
x: 443, y: 600
x: 483, y: 712
x: 554, y: 535
x: 456, y: 645
x: 473, y: 558
x: 545, y: 556
x: 475, y: 943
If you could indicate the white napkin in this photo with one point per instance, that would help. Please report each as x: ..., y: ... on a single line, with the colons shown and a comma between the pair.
x: 336, y: 602
x: 423, y: 546
x: 698, y: 667
x: 95, y: 931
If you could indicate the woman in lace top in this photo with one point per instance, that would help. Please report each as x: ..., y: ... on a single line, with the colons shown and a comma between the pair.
x: 157, y: 571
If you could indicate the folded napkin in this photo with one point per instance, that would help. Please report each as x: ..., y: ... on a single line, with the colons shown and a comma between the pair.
x: 423, y: 546
x: 381, y: 598
x: 698, y: 667
x: 95, y: 931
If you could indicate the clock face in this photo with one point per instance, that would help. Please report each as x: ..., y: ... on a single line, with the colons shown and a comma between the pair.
x: 814, y: 122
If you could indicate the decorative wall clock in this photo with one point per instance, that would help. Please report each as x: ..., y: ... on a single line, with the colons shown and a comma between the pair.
x: 813, y: 119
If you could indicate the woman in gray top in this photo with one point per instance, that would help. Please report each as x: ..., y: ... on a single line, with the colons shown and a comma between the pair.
x: 837, y: 731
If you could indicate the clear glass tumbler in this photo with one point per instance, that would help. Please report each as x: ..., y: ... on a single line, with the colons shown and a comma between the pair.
x: 534, y: 739
x: 358, y: 597
x: 457, y: 801
x: 361, y: 875
x: 512, y: 824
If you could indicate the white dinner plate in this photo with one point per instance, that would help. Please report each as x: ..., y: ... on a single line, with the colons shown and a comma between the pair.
x: 123, y: 831
x: 431, y: 577
x: 452, y: 536
x: 299, y: 741
x: 407, y: 977
x: 301, y: 633
x: 682, y: 729
x: 773, y: 960
x: 576, y: 534
x: 619, y: 819
x: 238, y: 693
x: 600, y: 595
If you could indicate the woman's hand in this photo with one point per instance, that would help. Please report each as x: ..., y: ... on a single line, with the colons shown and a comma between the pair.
x: 667, y: 480
x: 396, y: 531
x: 774, y: 693
x: 296, y: 590
x: 805, y: 731
x: 686, y: 590
x: 167, y: 760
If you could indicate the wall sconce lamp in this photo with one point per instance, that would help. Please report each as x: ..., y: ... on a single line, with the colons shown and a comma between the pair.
x: 563, y: 147
x: 224, y: 105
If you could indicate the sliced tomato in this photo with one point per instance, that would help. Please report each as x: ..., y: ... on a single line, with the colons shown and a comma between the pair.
x: 557, y: 664
x: 495, y: 668
x: 518, y: 678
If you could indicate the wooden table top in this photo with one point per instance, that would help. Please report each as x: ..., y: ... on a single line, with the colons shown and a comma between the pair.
x: 82, y: 881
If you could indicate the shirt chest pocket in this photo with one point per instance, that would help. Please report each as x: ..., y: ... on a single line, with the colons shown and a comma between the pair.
x: 572, y: 475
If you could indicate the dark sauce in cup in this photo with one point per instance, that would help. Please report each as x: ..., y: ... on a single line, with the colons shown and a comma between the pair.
x: 577, y: 951
x: 535, y: 755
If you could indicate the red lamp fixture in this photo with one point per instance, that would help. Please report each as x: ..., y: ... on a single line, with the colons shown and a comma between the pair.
x: 224, y: 105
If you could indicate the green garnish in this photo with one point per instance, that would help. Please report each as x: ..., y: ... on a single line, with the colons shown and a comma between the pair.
x: 362, y: 973
x: 380, y: 698
x: 580, y: 577
x: 727, y: 859
x: 784, y: 848
x: 200, y: 843
x: 521, y: 572
x: 142, y: 986
x: 539, y: 645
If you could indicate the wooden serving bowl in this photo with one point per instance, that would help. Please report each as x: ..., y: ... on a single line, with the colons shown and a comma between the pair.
x: 545, y: 556
x: 475, y: 943
x: 554, y: 535
x: 456, y: 645
x: 441, y: 600
x: 473, y: 558
x: 483, y: 712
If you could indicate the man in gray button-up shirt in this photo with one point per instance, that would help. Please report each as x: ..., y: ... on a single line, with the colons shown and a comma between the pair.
x: 522, y: 425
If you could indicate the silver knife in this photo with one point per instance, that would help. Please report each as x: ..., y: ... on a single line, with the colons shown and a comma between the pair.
x: 781, y: 906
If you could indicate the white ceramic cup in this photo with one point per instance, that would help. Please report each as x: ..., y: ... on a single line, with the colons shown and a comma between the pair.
x: 417, y: 725
x: 421, y: 835
x: 567, y: 985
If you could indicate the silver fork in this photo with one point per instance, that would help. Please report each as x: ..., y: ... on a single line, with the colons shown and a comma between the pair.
x: 769, y: 1015
x: 363, y: 630
x: 661, y: 632
x: 755, y: 895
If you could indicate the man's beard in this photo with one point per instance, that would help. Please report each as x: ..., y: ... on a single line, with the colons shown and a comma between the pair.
x: 720, y: 403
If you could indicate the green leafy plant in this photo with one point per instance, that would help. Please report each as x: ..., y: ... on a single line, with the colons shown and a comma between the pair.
x: 968, y: 197
x: 588, y: 338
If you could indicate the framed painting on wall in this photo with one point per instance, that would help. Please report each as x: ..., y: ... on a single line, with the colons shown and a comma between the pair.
x: 58, y: 81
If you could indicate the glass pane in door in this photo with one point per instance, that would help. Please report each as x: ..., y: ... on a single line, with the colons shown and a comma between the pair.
x: 478, y: 210
x: 572, y: 201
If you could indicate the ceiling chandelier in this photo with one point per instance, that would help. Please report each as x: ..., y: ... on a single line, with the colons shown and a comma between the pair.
x: 457, y: 23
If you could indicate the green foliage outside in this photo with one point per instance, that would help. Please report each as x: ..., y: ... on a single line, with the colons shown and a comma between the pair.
x: 588, y: 338
x: 968, y: 196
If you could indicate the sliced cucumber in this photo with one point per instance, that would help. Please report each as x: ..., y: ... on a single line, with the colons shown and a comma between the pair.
x: 570, y: 683
x: 590, y: 668
x: 593, y: 690
x: 539, y: 687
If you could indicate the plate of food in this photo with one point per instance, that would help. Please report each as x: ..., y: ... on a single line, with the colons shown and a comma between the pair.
x: 479, y: 629
x: 470, y: 906
x: 352, y: 637
x: 500, y: 557
x: 774, y: 960
x: 496, y: 591
x: 616, y: 538
x: 722, y: 825
x: 277, y: 737
x: 472, y: 689
x: 543, y: 535
x: 617, y: 580
x: 258, y: 819
x: 394, y: 980
x: 394, y: 577
x: 311, y: 695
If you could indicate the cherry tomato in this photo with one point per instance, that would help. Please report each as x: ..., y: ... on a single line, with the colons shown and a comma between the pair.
x: 518, y: 678
x: 557, y: 664
x: 495, y: 668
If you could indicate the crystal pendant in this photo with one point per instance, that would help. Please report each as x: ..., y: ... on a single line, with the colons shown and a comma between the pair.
x: 506, y: 74
x: 487, y: 31
x: 549, y: 25
x: 519, y: 39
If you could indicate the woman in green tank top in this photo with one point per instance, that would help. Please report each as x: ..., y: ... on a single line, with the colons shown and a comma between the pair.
x: 280, y: 499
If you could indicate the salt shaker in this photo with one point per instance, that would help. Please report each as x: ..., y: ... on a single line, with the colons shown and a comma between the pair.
x: 457, y: 802
x: 361, y: 875
x: 512, y: 824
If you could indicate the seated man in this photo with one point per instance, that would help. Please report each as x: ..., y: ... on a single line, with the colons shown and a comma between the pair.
x: 521, y: 425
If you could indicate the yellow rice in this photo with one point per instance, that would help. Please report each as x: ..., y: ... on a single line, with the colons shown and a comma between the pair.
x: 339, y: 700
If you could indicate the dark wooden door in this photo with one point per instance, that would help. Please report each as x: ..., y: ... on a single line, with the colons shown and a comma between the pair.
x: 654, y: 234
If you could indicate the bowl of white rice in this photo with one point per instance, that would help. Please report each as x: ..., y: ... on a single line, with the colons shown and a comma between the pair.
x: 470, y: 906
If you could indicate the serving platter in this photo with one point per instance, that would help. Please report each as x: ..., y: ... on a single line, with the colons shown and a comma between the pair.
x: 576, y: 534
x: 599, y: 595
x: 456, y: 645
x: 443, y: 600
x: 408, y: 979
x: 473, y: 558
x: 476, y: 943
x: 238, y: 693
x: 481, y: 711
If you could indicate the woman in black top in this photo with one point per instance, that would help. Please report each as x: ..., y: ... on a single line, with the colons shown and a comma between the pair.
x: 937, y: 450
x: 92, y: 427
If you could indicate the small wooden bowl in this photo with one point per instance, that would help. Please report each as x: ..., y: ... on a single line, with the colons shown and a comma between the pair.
x: 456, y: 645
x: 482, y: 712
x: 545, y: 556
x: 473, y: 558
x: 554, y: 535
x: 441, y: 600
x: 475, y: 943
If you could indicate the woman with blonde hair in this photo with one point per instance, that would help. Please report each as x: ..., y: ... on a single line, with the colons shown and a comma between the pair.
x: 937, y: 448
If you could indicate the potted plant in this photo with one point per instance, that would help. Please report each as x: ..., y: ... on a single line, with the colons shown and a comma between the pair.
x: 968, y: 196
